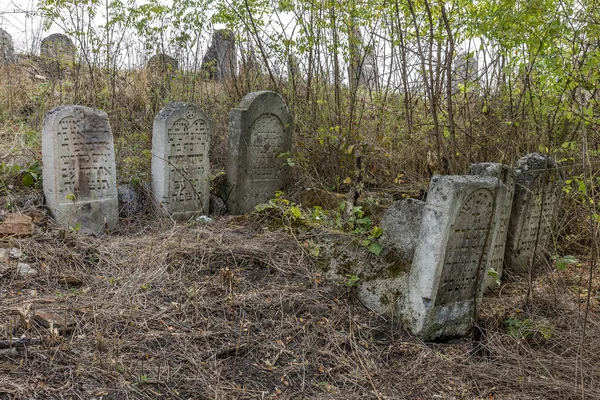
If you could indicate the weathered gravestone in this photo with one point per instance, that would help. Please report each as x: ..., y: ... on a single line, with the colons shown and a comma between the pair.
x: 79, y: 168
x: 260, y: 129
x: 220, y: 60
x: 7, y: 51
x: 538, y: 191
x: 180, y: 165
x: 57, y: 47
x: 496, y: 259
x: 450, y: 255
x: 162, y: 63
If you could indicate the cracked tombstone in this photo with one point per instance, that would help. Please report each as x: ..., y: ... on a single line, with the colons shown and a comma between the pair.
x: 260, y: 130
x: 538, y: 192
x: 7, y: 50
x: 180, y: 164
x: 79, y: 169
x: 450, y: 256
x: 506, y: 175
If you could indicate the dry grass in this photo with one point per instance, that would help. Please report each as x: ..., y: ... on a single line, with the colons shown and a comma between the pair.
x: 230, y: 311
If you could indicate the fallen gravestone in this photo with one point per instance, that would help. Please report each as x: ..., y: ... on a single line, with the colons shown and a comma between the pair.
x: 57, y: 47
x: 260, y: 130
x: 450, y: 255
x: 537, y: 193
x: 220, y: 61
x: 79, y: 168
x: 180, y: 164
x: 496, y: 259
x: 7, y: 51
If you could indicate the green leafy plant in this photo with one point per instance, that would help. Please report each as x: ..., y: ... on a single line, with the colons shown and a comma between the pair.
x: 561, y: 262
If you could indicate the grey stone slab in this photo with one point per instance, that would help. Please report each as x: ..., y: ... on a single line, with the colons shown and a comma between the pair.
x: 260, y: 129
x: 538, y: 193
x: 506, y: 176
x: 220, y: 60
x: 180, y: 165
x: 79, y: 168
x: 7, y: 50
x: 162, y: 63
x: 58, y: 47
x: 401, y: 224
x: 446, y: 277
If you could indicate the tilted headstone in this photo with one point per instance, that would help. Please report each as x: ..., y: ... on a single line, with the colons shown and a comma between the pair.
x: 260, y: 129
x: 538, y: 191
x: 7, y: 50
x: 180, y: 165
x: 79, y: 168
x: 496, y: 259
x: 220, y: 60
x: 162, y: 63
x: 57, y: 47
x: 450, y: 256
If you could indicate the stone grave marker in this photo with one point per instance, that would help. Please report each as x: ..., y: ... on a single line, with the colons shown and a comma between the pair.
x: 220, y: 60
x: 57, y: 47
x: 260, y: 129
x: 180, y: 164
x: 79, y: 168
x: 7, y: 50
x: 450, y: 255
x: 162, y: 63
x: 538, y: 191
x: 496, y: 259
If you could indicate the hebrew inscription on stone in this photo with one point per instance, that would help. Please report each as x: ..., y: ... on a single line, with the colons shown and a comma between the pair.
x: 466, y: 251
x: 180, y: 166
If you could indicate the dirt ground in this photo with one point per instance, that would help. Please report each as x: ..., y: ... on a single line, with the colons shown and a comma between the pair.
x: 233, y: 310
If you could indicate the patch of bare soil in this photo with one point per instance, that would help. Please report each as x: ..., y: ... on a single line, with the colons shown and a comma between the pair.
x: 228, y: 310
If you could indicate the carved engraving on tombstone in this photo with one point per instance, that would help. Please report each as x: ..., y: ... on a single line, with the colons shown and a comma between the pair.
x: 79, y: 168
x: 260, y: 129
x: 180, y: 164
x: 496, y: 259
x: 451, y: 255
x: 538, y: 192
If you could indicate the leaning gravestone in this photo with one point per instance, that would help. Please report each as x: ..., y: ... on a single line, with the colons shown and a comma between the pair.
x: 7, y: 51
x: 260, y: 129
x: 537, y: 193
x: 79, y: 168
x: 496, y: 259
x: 57, y: 47
x: 450, y: 256
x: 220, y: 60
x: 180, y: 165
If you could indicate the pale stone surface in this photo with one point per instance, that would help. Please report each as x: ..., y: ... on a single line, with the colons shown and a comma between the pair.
x: 220, y: 60
x: 58, y: 47
x: 465, y: 71
x: 162, y: 63
x: 180, y: 164
x: 130, y: 203
x: 79, y: 168
x: 538, y: 192
x: 446, y: 277
x: 260, y: 129
x: 401, y: 224
x: 7, y: 50
x: 506, y: 176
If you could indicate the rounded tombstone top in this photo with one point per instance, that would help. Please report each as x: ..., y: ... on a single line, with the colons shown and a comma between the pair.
x: 57, y: 46
x: 180, y: 109
x: 223, y: 35
x: 162, y: 62
x: 7, y: 51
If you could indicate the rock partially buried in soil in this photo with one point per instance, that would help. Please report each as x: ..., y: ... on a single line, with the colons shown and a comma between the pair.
x: 129, y: 201
x: 25, y: 270
x: 50, y: 319
x: 16, y: 225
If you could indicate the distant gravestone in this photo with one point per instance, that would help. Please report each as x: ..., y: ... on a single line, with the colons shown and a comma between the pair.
x: 220, y: 61
x: 79, y: 168
x: 537, y: 194
x: 180, y: 164
x: 496, y: 259
x: 465, y: 71
x: 260, y: 129
x: 450, y: 256
x: 57, y: 47
x: 7, y: 51
x: 162, y: 63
